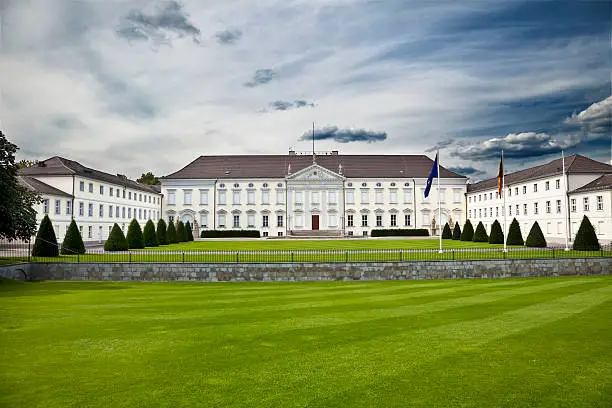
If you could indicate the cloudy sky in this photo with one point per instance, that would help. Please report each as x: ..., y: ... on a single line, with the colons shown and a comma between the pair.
x: 136, y: 85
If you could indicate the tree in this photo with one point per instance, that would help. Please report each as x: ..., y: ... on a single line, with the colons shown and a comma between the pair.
x: 116, y: 240
x: 73, y: 242
x: 171, y: 234
x: 46, y: 242
x: 22, y: 164
x: 468, y: 231
x: 17, y: 213
x: 189, y: 229
x: 134, y: 237
x: 181, y: 232
x: 150, y: 238
x: 481, y: 234
x: 456, y: 232
x: 535, y: 239
x: 586, y: 239
x: 497, y: 234
x: 162, y: 233
x: 149, y: 179
x: 515, y: 237
x: 446, y: 232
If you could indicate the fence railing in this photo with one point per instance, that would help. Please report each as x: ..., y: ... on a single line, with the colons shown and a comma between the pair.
x: 13, y: 253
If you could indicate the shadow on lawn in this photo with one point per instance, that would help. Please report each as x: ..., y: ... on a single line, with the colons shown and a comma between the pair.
x: 15, y: 288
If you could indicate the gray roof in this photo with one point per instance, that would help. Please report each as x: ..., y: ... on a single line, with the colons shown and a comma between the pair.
x: 601, y: 183
x: 40, y: 187
x: 276, y: 166
x: 576, y: 164
x: 59, y: 166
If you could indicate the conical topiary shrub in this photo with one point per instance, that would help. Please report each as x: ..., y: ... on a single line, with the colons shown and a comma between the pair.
x: 116, y: 240
x: 468, y: 231
x: 189, y: 229
x: 171, y: 234
x: 149, y: 235
x: 456, y: 232
x: 497, y: 234
x: 162, y: 233
x: 481, y: 234
x: 514, y: 234
x: 586, y: 239
x: 181, y: 232
x: 535, y: 238
x: 134, y: 237
x: 73, y: 242
x: 446, y: 232
x: 46, y: 242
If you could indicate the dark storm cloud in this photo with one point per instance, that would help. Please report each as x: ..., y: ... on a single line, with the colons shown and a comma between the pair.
x: 287, y: 105
x: 262, y: 76
x: 442, y: 144
x: 467, y: 170
x: 227, y: 37
x: 167, y: 20
x: 519, y: 145
x: 345, y: 135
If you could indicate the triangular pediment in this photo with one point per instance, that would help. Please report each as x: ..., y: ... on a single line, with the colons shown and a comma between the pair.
x: 314, y: 172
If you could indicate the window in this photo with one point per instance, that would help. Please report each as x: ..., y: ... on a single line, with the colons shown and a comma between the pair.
x: 524, y: 209
x: 264, y: 221
x: 490, y: 211
x: 281, y: 184
x: 280, y: 234
x: 68, y: 207
x: 170, y: 217
x: 425, y: 219
x: 58, y: 207
x: 221, y: 198
x: 517, y: 209
x: 558, y: 184
x: 280, y: 197
x: 524, y: 189
x: 470, y: 213
x: 236, y: 185
x: 124, y: 195
x: 204, y: 220
x: 379, y: 220
x: 129, y: 212
x: 110, y: 228
x: 573, y: 204
x: 90, y: 210
x: 251, y: 185
x: 408, y: 195
x: 251, y: 220
x: 251, y: 197
x: 279, y: 220
x: 378, y: 185
x: 81, y: 186
x: 548, y: 207
x: 509, y: 192
x: 547, y: 186
x: 535, y: 208
x: 558, y: 206
x: 90, y: 190
x: 204, y: 197
x: 110, y: 191
x: 332, y: 220
x: 236, y: 197
x: 350, y: 197
x: 509, y: 210
x: 265, y: 185
x: 496, y: 195
x: 46, y: 206
x: 81, y: 230
x: 139, y: 197
x: 515, y: 190
x: 117, y: 211
x: 265, y: 233
x: 236, y: 221
x: 469, y: 199
x: 480, y: 213
x: 599, y: 204
x: 393, y: 220
x: 479, y: 197
x: 101, y: 211
x: 171, y: 197
x: 364, y: 220
x: 349, y: 220
x: 89, y: 232
x: 101, y: 189
x: 221, y: 220
x: 585, y: 201
x: 299, y: 197
x: 265, y: 197
x: 379, y: 197
x: 535, y: 187
x: 457, y: 195
x: 130, y: 195
x: 332, y: 197
x: 407, y: 219
x: 81, y: 209
x: 315, y: 197
x: 187, y: 197
x: 139, y: 213
x: 364, y: 184
x: 365, y: 196
x: 123, y: 212
x: 497, y: 211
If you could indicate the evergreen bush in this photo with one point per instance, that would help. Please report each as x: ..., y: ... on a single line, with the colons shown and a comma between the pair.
x: 468, y: 231
x: 181, y: 232
x: 497, y: 234
x: 586, y: 239
x: 149, y: 235
x: 171, y: 234
x: 162, y: 233
x: 514, y: 234
x: 116, y: 240
x: 456, y: 232
x: 46, y: 242
x: 481, y: 234
x: 134, y: 237
x: 446, y: 232
x: 73, y: 242
x: 189, y: 229
x: 535, y: 239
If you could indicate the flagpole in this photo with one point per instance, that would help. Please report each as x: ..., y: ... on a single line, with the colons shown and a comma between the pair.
x: 565, y: 200
x: 439, y: 202
x: 503, y: 191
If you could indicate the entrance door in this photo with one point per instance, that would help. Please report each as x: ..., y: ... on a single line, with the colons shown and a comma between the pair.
x: 315, y: 222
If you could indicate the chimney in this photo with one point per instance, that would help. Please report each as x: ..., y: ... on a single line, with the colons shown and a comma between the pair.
x: 334, y: 152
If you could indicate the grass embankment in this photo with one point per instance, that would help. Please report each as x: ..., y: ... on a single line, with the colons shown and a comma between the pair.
x: 520, y: 342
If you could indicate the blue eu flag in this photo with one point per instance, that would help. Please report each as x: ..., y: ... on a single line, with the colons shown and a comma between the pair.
x: 432, y: 174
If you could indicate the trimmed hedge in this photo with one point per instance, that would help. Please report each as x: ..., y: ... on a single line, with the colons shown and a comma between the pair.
x: 46, y: 242
x: 535, y: 239
x: 171, y: 234
x: 73, y: 242
x: 514, y: 234
x: 586, y: 239
x: 468, y: 231
x: 481, y: 234
x: 497, y: 234
x: 189, y: 229
x: 230, y: 234
x: 162, y: 233
x: 181, y: 232
x: 416, y: 232
x: 456, y: 232
x: 446, y: 232
x: 149, y: 236
x: 134, y: 237
x: 116, y: 240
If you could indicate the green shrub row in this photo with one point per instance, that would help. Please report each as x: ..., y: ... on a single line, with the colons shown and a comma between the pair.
x: 416, y: 232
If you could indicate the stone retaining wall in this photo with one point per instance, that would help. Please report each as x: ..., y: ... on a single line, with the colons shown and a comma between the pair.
x: 309, y: 271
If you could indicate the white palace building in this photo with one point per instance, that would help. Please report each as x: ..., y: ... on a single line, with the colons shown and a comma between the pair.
x: 325, y: 194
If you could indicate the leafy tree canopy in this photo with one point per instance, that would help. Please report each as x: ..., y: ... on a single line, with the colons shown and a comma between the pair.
x: 149, y: 179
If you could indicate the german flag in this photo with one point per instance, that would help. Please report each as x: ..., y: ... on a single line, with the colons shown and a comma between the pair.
x: 500, y: 177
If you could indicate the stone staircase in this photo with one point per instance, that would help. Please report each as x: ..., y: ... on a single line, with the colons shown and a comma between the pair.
x: 315, y: 234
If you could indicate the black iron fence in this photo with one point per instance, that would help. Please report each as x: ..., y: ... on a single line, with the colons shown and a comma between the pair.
x: 21, y: 252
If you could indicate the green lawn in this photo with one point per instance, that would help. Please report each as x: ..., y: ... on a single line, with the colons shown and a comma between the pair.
x: 479, y: 343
